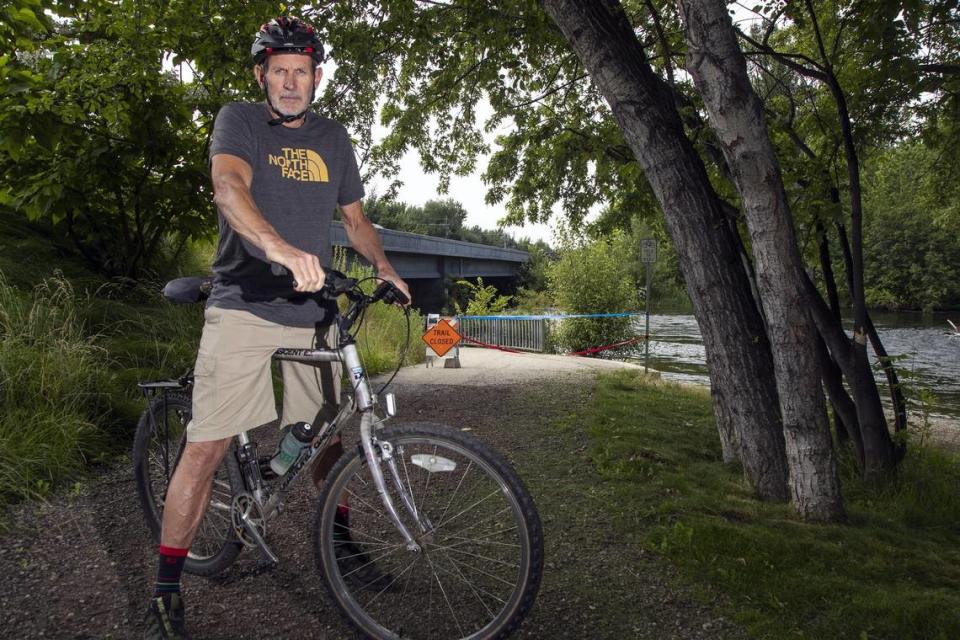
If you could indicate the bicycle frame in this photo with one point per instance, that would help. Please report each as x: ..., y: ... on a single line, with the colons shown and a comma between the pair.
x: 269, y: 498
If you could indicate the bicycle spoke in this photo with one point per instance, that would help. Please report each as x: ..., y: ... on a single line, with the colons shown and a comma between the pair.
x: 426, y: 482
x: 444, y: 523
x: 469, y: 583
x: 483, y: 539
x: 477, y: 555
x: 372, y: 510
x: 482, y: 572
x: 445, y: 598
x: 409, y: 489
x: 408, y: 568
x: 456, y: 491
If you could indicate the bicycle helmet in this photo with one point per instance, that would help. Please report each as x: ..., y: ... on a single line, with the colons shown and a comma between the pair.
x: 286, y: 35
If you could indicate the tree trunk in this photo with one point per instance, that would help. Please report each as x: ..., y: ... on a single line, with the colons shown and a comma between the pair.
x: 878, y: 451
x: 738, y: 352
x: 877, y: 445
x: 832, y: 375
x: 719, y: 71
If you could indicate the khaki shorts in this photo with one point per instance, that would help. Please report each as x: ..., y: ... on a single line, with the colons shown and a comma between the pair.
x: 233, y: 387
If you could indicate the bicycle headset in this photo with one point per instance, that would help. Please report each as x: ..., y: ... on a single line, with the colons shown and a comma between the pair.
x: 286, y: 35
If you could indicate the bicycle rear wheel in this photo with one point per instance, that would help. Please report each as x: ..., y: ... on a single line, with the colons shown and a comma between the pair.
x: 481, y: 557
x: 157, y: 447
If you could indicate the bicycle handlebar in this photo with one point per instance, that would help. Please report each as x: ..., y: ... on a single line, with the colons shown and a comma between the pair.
x: 337, y: 284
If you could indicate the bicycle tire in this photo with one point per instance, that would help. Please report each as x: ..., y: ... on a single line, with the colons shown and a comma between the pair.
x: 155, y: 456
x: 478, y: 586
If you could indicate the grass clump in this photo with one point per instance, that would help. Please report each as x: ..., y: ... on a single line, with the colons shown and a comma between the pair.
x: 55, y: 384
x: 891, y: 571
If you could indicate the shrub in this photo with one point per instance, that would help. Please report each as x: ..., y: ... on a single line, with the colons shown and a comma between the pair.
x: 593, y: 277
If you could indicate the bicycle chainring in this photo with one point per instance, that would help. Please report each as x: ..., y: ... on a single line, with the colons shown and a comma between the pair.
x: 246, y: 508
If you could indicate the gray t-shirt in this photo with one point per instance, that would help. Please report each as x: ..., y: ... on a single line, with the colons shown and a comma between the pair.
x: 300, y: 175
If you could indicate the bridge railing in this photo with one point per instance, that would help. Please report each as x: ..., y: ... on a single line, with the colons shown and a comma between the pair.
x: 523, y: 333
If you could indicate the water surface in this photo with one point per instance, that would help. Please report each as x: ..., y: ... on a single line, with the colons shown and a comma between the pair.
x: 927, y: 353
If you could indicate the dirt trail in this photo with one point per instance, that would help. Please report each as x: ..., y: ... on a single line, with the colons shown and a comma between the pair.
x: 82, y: 565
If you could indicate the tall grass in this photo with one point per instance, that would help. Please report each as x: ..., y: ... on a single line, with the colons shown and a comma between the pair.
x: 55, y: 384
x: 385, y: 337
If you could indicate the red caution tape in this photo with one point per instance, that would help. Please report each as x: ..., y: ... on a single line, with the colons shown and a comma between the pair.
x: 592, y: 350
x: 488, y: 346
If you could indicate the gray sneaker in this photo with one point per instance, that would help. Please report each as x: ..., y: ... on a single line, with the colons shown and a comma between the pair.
x: 166, y: 619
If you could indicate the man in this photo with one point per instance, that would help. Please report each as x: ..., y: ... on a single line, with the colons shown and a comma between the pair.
x: 278, y: 173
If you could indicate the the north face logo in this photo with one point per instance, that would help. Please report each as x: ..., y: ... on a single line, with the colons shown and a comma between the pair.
x: 305, y: 165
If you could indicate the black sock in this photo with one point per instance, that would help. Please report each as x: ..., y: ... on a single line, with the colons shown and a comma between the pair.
x: 169, y: 570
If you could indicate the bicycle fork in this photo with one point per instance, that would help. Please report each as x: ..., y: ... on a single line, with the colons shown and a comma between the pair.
x: 373, y: 464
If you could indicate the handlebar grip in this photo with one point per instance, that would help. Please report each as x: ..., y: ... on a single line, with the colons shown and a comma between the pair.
x: 389, y: 294
x: 335, y: 282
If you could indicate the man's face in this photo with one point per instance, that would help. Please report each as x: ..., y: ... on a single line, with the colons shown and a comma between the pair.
x: 290, y: 80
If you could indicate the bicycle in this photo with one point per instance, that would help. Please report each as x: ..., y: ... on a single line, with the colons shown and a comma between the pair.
x: 421, y: 531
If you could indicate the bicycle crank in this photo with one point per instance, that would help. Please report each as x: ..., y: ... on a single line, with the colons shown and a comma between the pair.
x: 250, y: 525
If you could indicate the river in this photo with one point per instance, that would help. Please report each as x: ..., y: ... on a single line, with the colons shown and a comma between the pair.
x: 927, y: 351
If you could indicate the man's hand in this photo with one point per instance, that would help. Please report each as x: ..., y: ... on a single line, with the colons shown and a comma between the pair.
x: 387, y: 273
x: 304, y: 267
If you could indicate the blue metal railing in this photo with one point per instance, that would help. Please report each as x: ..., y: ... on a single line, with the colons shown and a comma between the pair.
x: 524, y: 333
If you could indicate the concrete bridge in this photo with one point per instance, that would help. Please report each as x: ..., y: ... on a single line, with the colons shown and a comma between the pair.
x: 429, y: 264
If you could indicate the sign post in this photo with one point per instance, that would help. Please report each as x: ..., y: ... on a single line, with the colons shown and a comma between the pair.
x: 648, y: 256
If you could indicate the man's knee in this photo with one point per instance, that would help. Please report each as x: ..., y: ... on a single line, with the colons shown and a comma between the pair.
x: 202, y: 458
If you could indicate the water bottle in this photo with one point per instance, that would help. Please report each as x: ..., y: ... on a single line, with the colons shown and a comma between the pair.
x: 299, y: 436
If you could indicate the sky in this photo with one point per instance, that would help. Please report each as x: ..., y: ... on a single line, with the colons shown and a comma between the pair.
x: 418, y: 187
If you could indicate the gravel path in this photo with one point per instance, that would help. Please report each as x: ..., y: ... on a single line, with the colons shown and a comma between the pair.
x: 82, y: 565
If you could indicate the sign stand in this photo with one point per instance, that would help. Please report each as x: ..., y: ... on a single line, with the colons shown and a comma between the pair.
x: 648, y: 256
x: 442, y: 341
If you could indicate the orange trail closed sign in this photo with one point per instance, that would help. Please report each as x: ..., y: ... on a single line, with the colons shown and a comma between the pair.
x: 441, y: 337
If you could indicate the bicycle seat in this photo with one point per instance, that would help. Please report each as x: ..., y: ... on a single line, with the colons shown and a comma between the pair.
x: 188, y: 290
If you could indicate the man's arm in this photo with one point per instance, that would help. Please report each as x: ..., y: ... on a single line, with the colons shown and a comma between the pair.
x: 232, y: 177
x: 366, y: 241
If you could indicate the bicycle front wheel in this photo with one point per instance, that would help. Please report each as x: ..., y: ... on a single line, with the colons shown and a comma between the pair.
x: 481, y: 543
x: 157, y: 446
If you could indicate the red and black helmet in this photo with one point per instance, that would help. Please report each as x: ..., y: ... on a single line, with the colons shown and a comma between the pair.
x: 286, y: 35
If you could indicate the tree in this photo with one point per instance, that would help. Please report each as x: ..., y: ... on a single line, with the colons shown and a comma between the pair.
x: 912, y: 237
x: 831, y: 52
x: 736, y: 343
x: 484, y: 299
x: 736, y: 115
x: 101, y: 145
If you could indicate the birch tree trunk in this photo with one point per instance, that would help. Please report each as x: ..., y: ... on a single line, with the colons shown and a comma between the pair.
x: 719, y: 71
x: 738, y: 353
